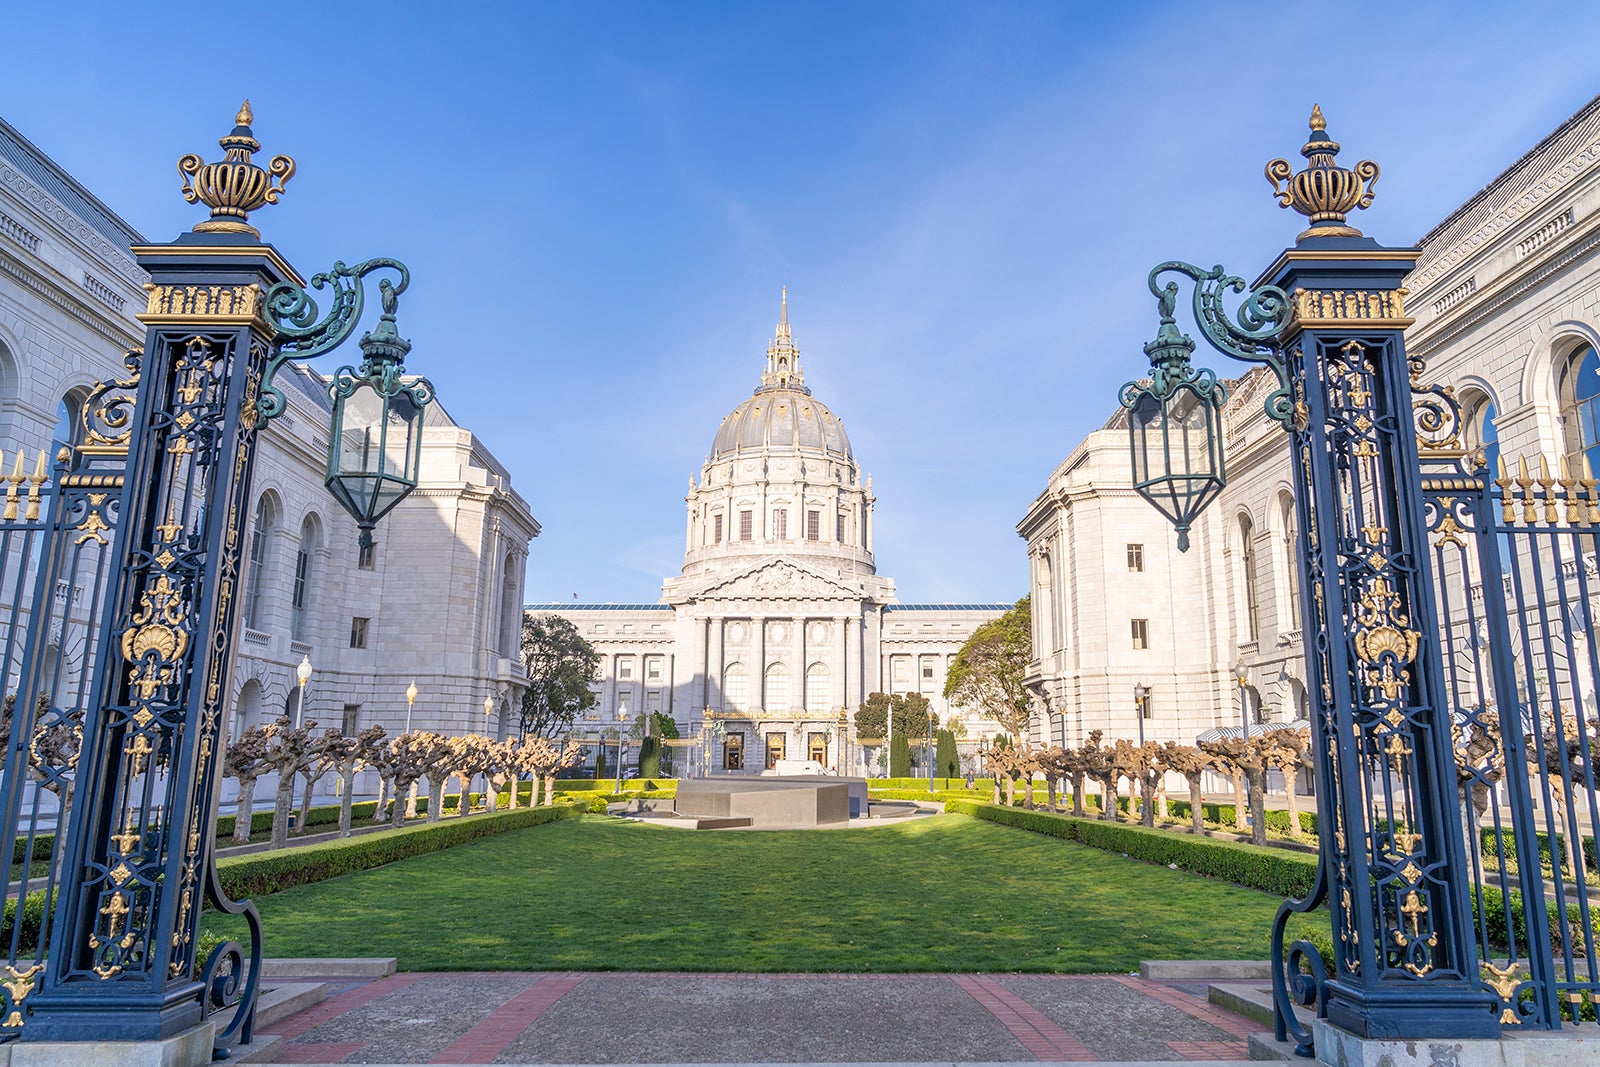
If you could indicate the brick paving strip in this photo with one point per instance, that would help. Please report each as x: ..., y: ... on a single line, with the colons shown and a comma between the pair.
x: 317, y: 1051
x: 1204, y: 1010
x: 506, y: 1023
x: 1043, y: 1039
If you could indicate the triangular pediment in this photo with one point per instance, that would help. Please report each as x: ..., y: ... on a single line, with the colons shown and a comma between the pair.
x: 777, y: 579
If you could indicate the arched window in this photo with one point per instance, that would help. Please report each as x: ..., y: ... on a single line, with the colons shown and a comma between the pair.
x: 510, y: 610
x: 69, y: 421
x: 1478, y: 421
x: 1044, y: 609
x: 247, y: 709
x: 778, y: 689
x: 817, y: 685
x: 260, y: 547
x: 1247, y: 577
x: 736, y: 688
x: 1579, y: 384
x: 1290, y: 559
x: 304, y: 579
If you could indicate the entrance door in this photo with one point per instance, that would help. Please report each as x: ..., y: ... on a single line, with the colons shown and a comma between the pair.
x: 817, y: 747
x: 775, y: 749
x: 733, y: 752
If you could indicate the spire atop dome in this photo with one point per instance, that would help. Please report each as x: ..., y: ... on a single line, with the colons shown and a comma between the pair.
x: 783, y: 358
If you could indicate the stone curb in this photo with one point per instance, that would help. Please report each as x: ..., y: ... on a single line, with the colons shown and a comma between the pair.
x: 1263, y: 1047
x: 286, y: 998
x: 936, y: 1063
x: 264, y: 1049
x: 329, y: 967
x: 1198, y: 970
x: 1243, y: 998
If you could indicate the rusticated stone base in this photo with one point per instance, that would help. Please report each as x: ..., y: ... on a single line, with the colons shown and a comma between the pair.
x: 1337, y: 1047
x: 192, y: 1048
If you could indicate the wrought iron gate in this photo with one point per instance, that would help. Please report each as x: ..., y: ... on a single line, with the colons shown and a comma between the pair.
x: 1515, y: 555
x: 58, y: 518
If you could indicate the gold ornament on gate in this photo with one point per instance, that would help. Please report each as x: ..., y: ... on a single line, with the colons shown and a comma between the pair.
x: 1324, y: 192
x: 234, y: 187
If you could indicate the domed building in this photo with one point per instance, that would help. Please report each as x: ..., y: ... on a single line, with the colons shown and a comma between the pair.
x: 779, y: 625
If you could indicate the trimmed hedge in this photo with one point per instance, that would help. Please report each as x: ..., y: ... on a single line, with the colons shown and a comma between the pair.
x: 1271, y: 870
x: 262, y: 873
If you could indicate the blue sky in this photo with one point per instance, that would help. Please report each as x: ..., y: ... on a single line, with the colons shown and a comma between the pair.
x: 600, y: 201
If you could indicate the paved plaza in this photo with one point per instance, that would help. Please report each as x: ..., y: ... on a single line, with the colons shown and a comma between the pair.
x: 584, y: 1018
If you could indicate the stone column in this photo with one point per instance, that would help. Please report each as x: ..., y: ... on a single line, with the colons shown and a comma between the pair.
x: 758, y: 660
x: 714, y: 655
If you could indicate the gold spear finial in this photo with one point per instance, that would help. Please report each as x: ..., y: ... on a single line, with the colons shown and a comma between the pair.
x: 1317, y: 121
x: 244, y: 117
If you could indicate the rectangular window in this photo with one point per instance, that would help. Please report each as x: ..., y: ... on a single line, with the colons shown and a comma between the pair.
x: 358, y: 632
x: 365, y: 554
x: 733, y: 751
x: 625, y: 668
x: 927, y: 672
x: 716, y: 525
x: 653, y: 667
x: 1141, y: 633
x: 746, y: 524
x: 776, y: 747
x: 817, y: 747
x: 839, y: 532
x: 1136, y: 557
x: 780, y: 524
x: 352, y: 716
x: 813, y: 526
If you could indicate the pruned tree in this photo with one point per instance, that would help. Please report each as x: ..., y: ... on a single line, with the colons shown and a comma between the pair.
x: 1099, y: 764
x: 1140, y: 764
x: 437, y: 757
x: 1288, y: 751
x: 544, y: 758
x: 1192, y: 764
x: 561, y: 668
x: 1075, y: 768
x: 288, y: 747
x: 1050, y: 762
x: 349, y: 756
x: 405, y: 761
x: 988, y: 671
x: 245, y: 759
x: 321, y: 757
x: 1246, y: 758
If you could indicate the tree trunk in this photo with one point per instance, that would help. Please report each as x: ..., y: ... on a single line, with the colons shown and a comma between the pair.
x: 347, y: 783
x: 1077, y: 794
x: 244, y: 809
x: 1027, y: 792
x: 997, y: 789
x: 397, y: 812
x: 1147, y: 807
x: 411, y: 801
x: 1197, y: 806
x: 1291, y: 782
x: 282, y: 806
x: 1050, y: 794
x: 1239, y: 805
x: 1258, y: 807
x: 549, y: 790
x: 1161, y: 799
x: 436, y: 797
x: 1011, y: 791
x: 378, y: 812
x: 305, y: 803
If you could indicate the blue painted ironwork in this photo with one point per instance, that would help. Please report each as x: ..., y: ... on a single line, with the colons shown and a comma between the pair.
x: 173, y: 469
x: 1328, y: 319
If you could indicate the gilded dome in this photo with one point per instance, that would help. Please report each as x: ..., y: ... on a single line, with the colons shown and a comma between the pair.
x: 782, y: 416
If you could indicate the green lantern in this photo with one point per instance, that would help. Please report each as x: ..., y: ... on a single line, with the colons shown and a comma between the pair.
x: 375, y: 448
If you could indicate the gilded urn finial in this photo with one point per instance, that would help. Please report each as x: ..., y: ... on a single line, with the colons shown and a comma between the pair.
x: 1324, y: 192
x: 235, y: 186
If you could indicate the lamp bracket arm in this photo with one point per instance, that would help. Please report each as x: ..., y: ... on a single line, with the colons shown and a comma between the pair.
x: 1251, y: 335
x: 301, y: 334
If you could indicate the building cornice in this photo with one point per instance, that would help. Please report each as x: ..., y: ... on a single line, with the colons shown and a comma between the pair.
x: 118, y: 259
x: 63, y: 295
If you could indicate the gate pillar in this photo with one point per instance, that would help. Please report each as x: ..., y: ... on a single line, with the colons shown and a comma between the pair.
x: 139, y: 838
x: 1389, y: 810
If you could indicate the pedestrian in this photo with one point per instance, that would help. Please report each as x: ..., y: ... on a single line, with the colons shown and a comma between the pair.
x: 969, y: 779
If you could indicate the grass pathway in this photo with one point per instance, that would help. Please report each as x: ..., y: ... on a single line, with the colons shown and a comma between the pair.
x: 946, y: 893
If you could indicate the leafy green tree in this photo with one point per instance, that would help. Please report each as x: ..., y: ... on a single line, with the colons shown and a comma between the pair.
x: 988, y: 671
x: 561, y: 667
x: 910, y: 712
x: 946, y: 761
x: 899, y: 757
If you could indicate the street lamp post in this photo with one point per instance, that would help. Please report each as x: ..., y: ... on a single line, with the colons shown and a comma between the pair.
x: 1241, y: 674
x: 488, y: 711
x: 622, y: 725
x: 411, y: 698
x: 1327, y: 319
x: 1141, y: 694
x: 302, y: 672
x: 224, y: 313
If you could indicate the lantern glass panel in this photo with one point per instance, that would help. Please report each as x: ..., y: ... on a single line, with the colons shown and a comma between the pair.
x: 376, y: 451
x: 1177, y: 452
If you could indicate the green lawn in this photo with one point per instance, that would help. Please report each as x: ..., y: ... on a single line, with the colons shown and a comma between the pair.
x: 947, y: 893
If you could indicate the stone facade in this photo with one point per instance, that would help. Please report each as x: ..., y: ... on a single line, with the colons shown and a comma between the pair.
x: 779, y: 623
x: 1506, y: 302
x: 456, y: 549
